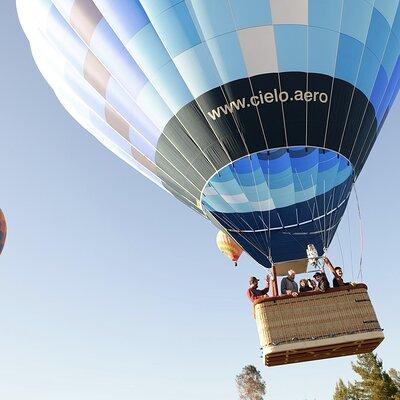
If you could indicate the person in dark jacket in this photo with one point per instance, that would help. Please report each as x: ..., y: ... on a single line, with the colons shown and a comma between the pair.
x: 253, y: 292
x: 288, y: 284
x: 306, y: 285
x: 322, y: 282
x: 337, y: 274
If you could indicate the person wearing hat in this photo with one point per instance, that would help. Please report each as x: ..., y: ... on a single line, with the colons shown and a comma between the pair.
x: 253, y: 293
x: 322, y: 281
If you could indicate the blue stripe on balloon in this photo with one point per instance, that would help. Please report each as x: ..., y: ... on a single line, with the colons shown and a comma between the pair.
x: 387, y: 8
x: 259, y: 14
x: 155, y: 8
x: 380, y: 87
x: 396, y: 24
x: 259, y: 176
x: 256, y: 193
x: 309, y: 160
x: 391, y: 55
x: 328, y: 163
x: 348, y: 58
x: 368, y: 72
x: 176, y: 29
x: 291, y: 46
x: 322, y: 50
x: 198, y: 70
x: 224, y: 49
x: 246, y: 180
x: 304, y: 195
x: 228, y: 188
x: 152, y: 105
x: 281, y: 180
x: 277, y: 164
x: 126, y: 17
x: 272, y: 155
x: 111, y: 52
x: 327, y: 180
x: 300, y: 151
x: 283, y: 196
x: 344, y: 173
x: 304, y: 181
x: 344, y: 164
x: 306, y: 174
x: 394, y: 79
x: 395, y: 93
x: 148, y: 50
x: 390, y: 92
x: 378, y: 34
x: 171, y: 87
x: 325, y: 14
x: 214, y: 17
x: 132, y: 113
x: 287, y: 215
x: 356, y: 27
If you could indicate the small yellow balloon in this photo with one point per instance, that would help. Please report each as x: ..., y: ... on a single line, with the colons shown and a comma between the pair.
x: 228, y: 246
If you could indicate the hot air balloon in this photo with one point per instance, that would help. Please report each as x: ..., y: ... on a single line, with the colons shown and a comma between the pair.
x: 258, y: 115
x: 228, y: 247
x: 3, y: 231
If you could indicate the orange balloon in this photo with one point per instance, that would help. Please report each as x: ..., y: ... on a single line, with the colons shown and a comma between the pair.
x: 3, y: 230
x: 228, y: 246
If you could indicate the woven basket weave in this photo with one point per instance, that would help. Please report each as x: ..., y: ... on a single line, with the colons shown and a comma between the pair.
x: 342, y: 316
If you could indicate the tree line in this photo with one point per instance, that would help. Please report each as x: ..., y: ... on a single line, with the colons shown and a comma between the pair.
x: 374, y: 383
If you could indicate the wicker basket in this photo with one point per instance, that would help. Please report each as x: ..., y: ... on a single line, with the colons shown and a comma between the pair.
x: 316, y: 325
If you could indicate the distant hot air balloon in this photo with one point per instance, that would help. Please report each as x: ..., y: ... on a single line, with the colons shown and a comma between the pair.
x: 228, y: 247
x: 259, y: 115
x: 3, y: 230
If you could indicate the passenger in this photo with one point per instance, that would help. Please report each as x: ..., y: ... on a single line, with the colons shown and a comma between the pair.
x: 337, y: 273
x: 306, y: 285
x: 288, y: 285
x: 312, y: 283
x: 322, y: 282
x: 253, y: 293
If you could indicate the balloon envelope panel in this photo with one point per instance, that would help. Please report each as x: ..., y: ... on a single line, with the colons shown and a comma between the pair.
x: 276, y: 202
x: 191, y: 93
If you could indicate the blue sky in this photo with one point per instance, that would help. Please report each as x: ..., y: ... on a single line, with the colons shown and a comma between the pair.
x: 111, y: 289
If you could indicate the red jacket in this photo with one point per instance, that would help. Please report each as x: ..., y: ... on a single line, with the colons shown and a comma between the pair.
x: 254, y: 294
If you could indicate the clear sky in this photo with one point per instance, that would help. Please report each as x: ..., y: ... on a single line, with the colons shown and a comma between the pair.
x: 111, y: 289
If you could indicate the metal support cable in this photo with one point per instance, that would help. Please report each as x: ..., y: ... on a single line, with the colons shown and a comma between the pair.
x: 360, y: 271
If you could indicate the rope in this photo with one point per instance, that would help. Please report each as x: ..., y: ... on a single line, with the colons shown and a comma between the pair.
x: 336, y: 219
x: 316, y: 206
x: 269, y: 215
x: 341, y: 250
x: 360, y: 271
x: 351, y: 247
x: 308, y: 203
